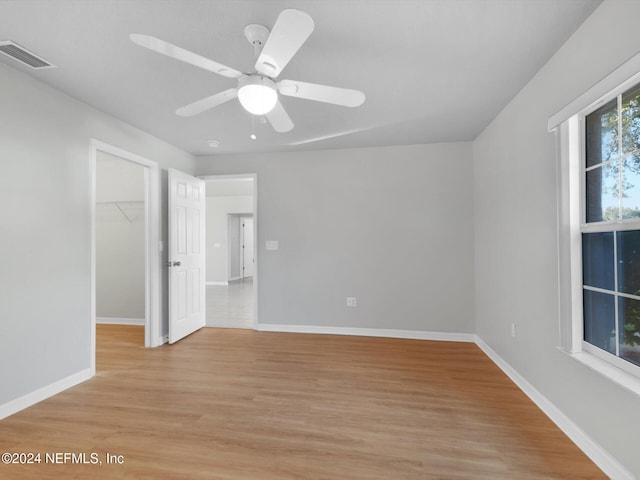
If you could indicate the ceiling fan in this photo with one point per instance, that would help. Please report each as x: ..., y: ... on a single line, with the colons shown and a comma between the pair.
x: 258, y: 91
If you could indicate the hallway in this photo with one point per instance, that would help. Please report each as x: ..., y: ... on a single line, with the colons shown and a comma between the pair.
x: 230, y: 306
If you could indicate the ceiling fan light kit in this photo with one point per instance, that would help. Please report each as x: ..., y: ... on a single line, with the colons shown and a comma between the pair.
x: 257, y: 92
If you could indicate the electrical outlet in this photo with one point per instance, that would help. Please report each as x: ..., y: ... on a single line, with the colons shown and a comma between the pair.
x: 352, y: 302
x: 513, y: 330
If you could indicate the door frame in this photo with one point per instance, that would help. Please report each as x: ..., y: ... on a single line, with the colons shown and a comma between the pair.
x: 231, y: 246
x: 243, y: 217
x: 153, y: 272
x: 254, y: 177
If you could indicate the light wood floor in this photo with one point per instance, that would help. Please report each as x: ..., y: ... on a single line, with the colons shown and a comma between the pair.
x: 239, y: 404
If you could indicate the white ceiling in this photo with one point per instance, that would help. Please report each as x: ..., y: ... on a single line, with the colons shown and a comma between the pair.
x: 432, y: 70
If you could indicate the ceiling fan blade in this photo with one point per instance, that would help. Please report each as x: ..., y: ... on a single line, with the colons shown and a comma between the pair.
x: 207, y: 103
x: 279, y: 119
x: 170, y: 50
x: 291, y: 30
x: 321, y: 93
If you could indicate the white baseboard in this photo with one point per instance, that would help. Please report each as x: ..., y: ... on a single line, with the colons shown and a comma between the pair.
x: 43, y: 393
x: 368, y: 332
x: 120, y: 321
x: 233, y: 279
x: 220, y: 284
x: 242, y: 325
x: 603, y: 459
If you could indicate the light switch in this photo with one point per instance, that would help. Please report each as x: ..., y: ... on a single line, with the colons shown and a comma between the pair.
x: 271, y: 245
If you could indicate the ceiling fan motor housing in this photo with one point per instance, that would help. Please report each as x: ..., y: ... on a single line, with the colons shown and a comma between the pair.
x: 256, y: 34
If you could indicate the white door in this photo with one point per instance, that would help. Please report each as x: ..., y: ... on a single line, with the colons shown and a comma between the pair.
x: 186, y: 255
x: 247, y: 247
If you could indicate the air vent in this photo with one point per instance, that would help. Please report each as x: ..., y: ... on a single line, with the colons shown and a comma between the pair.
x: 22, y: 55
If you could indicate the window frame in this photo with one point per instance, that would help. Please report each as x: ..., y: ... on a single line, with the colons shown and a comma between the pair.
x: 570, y: 127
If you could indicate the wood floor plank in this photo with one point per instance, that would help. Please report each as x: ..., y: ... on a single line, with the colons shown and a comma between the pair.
x: 239, y: 404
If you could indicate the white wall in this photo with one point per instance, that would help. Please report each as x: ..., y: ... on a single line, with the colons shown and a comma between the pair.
x: 516, y: 234
x: 218, y: 248
x: 118, y: 180
x: 45, y: 227
x: 120, y: 238
x: 391, y: 226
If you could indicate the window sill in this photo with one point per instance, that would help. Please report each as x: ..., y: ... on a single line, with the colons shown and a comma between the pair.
x: 620, y: 377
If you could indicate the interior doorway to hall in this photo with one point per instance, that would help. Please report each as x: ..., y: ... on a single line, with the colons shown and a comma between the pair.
x: 231, y: 252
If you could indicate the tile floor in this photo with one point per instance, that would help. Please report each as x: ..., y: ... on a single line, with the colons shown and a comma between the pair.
x: 230, y: 306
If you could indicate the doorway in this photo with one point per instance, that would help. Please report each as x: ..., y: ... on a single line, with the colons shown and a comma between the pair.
x: 120, y: 248
x: 231, y: 231
x: 240, y: 246
x: 138, y: 211
x: 246, y: 245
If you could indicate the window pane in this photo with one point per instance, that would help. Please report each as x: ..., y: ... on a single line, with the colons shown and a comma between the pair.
x: 597, y: 260
x: 629, y: 262
x: 631, y: 186
x: 599, y: 320
x: 602, y: 193
x: 631, y: 120
x: 602, y: 131
x: 629, y: 328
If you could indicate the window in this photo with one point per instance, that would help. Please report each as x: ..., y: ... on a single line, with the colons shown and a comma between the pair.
x: 598, y: 140
x: 610, y: 229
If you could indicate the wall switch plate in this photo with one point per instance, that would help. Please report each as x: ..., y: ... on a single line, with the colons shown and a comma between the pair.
x: 352, y: 302
x: 271, y: 245
x: 513, y: 330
